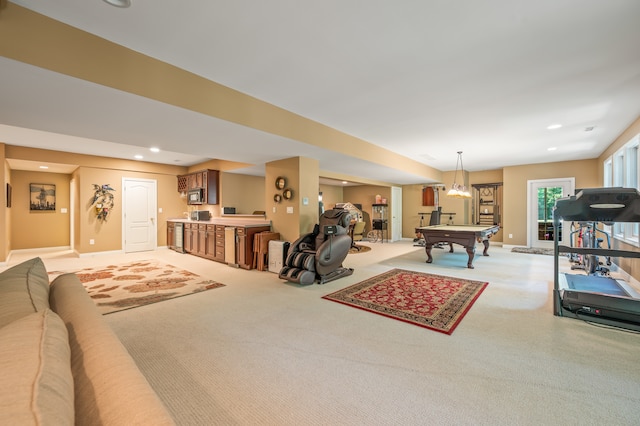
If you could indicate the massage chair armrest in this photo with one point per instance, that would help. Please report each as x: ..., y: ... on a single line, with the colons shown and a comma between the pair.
x: 333, y: 250
x: 304, y: 242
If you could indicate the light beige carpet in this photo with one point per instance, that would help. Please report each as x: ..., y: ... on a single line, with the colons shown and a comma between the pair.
x: 262, y: 351
x: 130, y: 285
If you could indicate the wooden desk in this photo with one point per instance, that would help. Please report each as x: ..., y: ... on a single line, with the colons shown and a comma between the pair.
x: 465, y: 235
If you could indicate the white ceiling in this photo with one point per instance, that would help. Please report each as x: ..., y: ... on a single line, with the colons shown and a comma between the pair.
x: 423, y: 78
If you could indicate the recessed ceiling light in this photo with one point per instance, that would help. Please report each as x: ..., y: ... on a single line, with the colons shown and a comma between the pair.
x: 552, y: 148
x: 154, y: 149
x: 119, y: 3
x: 344, y: 182
x: 44, y: 167
x: 138, y: 157
x: 554, y: 126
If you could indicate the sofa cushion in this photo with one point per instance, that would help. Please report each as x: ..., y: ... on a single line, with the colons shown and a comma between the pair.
x: 24, y: 289
x: 37, y: 386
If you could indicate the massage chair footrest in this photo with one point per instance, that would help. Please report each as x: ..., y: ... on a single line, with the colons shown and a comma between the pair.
x: 338, y: 273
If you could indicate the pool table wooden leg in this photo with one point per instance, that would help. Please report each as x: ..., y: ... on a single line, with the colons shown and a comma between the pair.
x: 427, y: 248
x: 471, y: 251
x: 486, y: 247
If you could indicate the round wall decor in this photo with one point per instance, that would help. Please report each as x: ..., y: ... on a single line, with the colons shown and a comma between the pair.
x: 281, y: 182
x: 288, y: 194
x: 277, y: 198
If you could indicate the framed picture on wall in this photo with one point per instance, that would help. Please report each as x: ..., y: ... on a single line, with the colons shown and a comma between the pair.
x: 8, y: 195
x: 42, y: 196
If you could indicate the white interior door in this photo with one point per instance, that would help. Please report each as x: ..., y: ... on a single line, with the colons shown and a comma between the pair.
x: 139, y: 214
x: 396, y: 213
x: 542, y: 195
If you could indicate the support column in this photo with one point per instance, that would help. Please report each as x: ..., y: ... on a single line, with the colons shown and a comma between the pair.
x: 296, y: 215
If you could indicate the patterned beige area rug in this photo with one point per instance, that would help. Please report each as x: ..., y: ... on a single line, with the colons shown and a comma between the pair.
x: 118, y: 287
x: 359, y: 248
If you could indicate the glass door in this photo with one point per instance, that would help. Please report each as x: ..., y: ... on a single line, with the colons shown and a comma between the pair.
x: 542, y: 199
x: 547, y: 197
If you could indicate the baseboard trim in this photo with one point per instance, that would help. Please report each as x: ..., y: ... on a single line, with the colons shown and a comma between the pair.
x: 100, y: 253
x: 39, y: 250
x: 35, y: 251
x: 510, y: 246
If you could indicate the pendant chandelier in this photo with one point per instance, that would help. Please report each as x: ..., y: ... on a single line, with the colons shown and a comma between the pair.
x: 457, y: 190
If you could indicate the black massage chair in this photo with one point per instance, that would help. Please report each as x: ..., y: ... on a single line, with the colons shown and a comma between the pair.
x: 319, y: 254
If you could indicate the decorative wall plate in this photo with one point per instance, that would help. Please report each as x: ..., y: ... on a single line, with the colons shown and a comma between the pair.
x: 281, y: 182
x: 288, y: 194
x: 277, y: 198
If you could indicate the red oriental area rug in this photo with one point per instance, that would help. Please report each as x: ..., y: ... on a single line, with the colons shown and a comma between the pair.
x: 427, y: 300
x: 115, y: 288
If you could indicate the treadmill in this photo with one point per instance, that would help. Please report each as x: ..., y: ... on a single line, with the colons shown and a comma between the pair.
x: 592, y: 297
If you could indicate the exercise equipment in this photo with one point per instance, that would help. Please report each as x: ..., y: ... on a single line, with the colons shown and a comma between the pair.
x: 585, y: 235
x: 591, y: 302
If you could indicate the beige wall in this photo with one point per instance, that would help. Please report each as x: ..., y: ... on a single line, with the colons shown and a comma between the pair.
x: 92, y: 170
x: 585, y: 173
x: 302, y: 177
x: 411, y: 206
x: 39, y: 229
x: 307, y: 196
x: 244, y: 192
x: 331, y: 195
x: 107, y: 235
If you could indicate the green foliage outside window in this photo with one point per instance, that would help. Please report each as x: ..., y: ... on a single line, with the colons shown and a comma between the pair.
x: 546, y: 201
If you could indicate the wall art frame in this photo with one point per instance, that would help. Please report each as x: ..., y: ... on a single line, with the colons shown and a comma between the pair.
x: 42, y: 197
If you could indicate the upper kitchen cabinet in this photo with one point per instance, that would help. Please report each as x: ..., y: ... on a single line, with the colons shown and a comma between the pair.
x: 206, y: 180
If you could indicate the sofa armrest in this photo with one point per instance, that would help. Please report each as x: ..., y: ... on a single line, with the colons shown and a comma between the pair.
x: 109, y: 387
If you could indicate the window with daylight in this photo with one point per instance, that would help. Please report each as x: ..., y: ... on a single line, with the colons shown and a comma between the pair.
x: 621, y: 170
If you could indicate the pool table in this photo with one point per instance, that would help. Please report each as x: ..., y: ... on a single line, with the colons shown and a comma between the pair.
x: 465, y: 235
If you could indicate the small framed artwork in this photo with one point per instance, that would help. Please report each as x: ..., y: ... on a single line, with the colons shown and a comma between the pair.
x: 42, y: 197
x: 8, y: 195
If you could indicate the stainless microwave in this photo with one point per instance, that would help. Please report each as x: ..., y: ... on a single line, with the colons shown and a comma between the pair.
x: 201, y: 215
x: 195, y: 196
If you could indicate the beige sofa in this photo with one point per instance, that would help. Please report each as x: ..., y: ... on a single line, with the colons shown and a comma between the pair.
x: 60, y: 363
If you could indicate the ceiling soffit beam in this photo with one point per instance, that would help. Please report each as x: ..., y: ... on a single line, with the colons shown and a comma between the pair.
x: 35, y: 39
